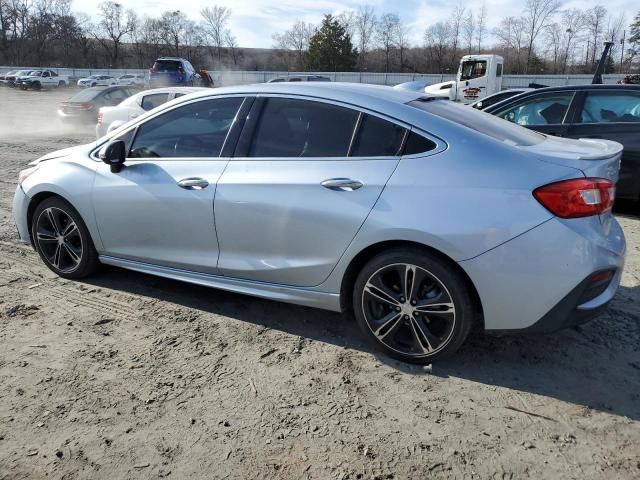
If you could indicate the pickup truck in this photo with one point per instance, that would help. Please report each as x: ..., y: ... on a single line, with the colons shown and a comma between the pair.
x: 38, y: 79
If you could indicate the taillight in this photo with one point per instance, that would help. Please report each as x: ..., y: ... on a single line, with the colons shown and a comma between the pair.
x: 152, y: 70
x: 86, y: 106
x: 100, y: 116
x: 580, y: 197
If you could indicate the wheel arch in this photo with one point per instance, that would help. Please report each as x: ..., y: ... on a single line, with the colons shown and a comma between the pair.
x: 40, y: 197
x: 360, y: 260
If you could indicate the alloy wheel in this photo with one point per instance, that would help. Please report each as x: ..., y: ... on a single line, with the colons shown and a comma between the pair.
x: 59, y: 239
x: 408, y: 309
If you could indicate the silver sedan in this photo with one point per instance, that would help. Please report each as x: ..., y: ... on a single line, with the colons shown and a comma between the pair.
x: 420, y: 217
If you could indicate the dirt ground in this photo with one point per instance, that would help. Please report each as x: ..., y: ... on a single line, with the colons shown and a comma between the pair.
x: 130, y: 376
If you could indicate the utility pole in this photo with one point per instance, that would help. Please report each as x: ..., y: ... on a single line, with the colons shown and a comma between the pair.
x: 624, y: 36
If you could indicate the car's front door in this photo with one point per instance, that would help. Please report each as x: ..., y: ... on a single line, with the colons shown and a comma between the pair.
x: 299, y: 187
x: 543, y: 112
x: 614, y: 115
x: 159, y: 208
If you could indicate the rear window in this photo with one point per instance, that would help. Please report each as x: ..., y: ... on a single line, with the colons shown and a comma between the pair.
x: 166, y: 65
x: 481, y: 122
x: 154, y: 100
x: 86, y: 95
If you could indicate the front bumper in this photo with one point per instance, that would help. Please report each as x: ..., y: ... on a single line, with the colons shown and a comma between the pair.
x: 535, y: 282
x: 20, y: 207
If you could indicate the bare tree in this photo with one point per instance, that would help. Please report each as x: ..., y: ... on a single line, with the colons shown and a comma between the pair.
x: 402, y: 43
x: 482, y: 25
x: 614, y: 33
x: 365, y: 26
x: 595, y: 18
x: 232, y: 43
x: 114, y: 24
x: 573, y: 22
x: 348, y: 21
x: 386, y: 32
x: 469, y: 29
x: 174, y: 26
x: 436, y: 38
x: 553, y: 42
x: 455, y: 26
x: 215, y: 25
x: 537, y: 15
x: 297, y: 39
x: 511, y: 38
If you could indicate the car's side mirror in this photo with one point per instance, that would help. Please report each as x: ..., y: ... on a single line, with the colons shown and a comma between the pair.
x: 114, y: 154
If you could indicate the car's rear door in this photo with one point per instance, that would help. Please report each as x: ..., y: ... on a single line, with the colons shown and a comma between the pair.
x: 159, y: 208
x: 613, y: 114
x: 299, y: 187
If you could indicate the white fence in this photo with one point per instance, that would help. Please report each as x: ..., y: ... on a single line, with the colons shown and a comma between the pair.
x: 245, y: 77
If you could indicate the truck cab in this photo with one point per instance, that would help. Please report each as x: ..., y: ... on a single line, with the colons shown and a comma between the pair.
x: 478, y: 76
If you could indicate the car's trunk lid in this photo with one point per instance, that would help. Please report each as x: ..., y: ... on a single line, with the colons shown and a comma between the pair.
x: 595, y: 158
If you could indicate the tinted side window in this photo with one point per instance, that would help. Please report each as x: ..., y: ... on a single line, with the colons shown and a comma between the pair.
x: 547, y: 109
x: 154, y: 100
x: 417, y: 144
x: 606, y: 107
x: 377, y: 138
x: 302, y: 128
x: 195, y: 130
x: 116, y: 96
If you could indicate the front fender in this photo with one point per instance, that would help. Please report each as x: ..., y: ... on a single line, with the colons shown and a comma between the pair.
x: 71, y: 180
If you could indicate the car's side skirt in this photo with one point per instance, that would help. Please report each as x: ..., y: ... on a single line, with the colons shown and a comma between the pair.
x: 282, y: 293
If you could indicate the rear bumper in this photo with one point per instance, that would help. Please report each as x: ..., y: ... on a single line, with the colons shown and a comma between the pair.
x: 537, y: 281
x: 573, y: 310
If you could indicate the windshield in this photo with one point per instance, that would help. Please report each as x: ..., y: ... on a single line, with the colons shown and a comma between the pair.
x: 481, y: 122
x: 166, y: 65
x: 473, y: 69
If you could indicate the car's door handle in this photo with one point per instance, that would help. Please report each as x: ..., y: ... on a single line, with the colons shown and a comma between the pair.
x: 342, y: 184
x: 193, y: 183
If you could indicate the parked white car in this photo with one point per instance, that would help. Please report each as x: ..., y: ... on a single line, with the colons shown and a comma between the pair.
x: 132, y: 79
x: 110, y: 118
x: 97, y: 81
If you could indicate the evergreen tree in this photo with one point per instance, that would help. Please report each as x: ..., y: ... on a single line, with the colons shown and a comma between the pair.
x: 330, y: 49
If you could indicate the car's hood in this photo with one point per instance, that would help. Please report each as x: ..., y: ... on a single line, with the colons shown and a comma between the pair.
x: 58, y: 154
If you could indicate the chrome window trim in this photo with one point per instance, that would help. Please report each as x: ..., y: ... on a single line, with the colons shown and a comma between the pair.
x: 441, y: 145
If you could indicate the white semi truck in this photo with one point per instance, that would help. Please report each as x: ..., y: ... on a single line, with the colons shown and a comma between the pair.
x: 478, y: 76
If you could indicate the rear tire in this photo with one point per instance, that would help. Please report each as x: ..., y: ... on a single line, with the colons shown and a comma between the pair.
x: 62, y: 240
x: 413, y: 305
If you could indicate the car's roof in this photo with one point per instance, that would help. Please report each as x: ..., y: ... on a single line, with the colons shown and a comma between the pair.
x: 185, y: 90
x: 588, y: 87
x: 171, y: 58
x: 356, y: 93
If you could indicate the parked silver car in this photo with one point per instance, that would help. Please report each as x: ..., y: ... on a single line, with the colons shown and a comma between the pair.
x: 421, y: 217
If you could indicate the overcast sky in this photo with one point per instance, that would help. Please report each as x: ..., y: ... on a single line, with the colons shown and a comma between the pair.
x: 254, y: 21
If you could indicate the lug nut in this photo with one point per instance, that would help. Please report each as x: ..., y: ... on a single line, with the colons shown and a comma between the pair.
x: 402, y: 299
x: 414, y: 302
x: 398, y: 309
x: 406, y: 317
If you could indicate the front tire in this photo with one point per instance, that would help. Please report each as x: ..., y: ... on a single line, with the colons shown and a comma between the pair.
x: 62, y: 240
x: 413, y: 305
